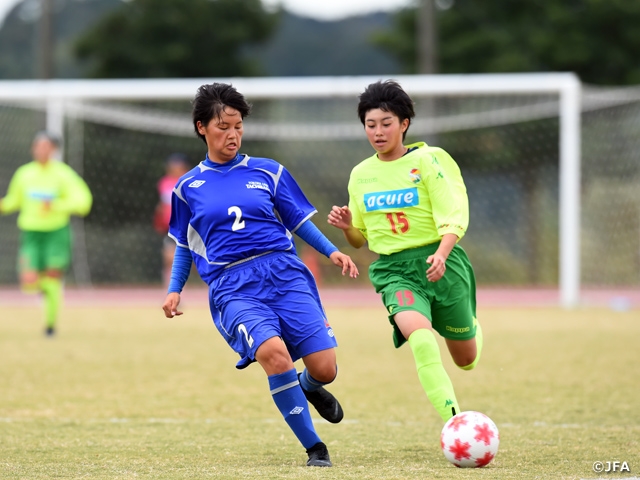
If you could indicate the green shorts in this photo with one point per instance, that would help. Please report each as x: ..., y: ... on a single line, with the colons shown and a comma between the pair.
x: 449, y: 303
x: 41, y: 251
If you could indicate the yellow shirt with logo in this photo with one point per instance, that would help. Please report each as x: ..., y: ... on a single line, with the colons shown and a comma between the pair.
x: 409, y: 202
x: 46, y: 195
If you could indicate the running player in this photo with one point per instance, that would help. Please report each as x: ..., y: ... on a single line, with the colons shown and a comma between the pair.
x: 45, y: 192
x: 234, y: 215
x: 410, y: 204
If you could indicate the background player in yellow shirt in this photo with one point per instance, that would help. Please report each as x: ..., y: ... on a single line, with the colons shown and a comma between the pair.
x: 409, y: 203
x: 45, y: 192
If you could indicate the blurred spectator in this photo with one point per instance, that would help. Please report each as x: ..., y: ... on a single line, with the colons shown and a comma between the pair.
x: 176, y: 165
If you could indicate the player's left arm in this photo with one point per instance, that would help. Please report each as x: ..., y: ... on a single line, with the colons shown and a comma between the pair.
x: 314, y: 237
x: 450, y: 209
x: 438, y: 261
x: 295, y: 211
x: 77, y: 198
x: 448, y: 195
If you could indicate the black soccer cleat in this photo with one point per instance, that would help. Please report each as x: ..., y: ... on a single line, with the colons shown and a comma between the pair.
x: 49, y: 331
x: 319, y: 456
x: 325, y: 403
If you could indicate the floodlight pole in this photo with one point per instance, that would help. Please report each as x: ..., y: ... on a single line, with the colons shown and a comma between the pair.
x: 426, y: 37
x: 46, y: 40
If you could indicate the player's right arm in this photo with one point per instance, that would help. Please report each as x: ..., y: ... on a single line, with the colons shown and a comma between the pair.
x: 170, y: 305
x: 182, y: 258
x: 341, y: 217
x: 179, y: 275
x: 12, y: 202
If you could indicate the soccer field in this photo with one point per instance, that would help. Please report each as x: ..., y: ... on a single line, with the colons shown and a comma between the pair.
x: 123, y: 392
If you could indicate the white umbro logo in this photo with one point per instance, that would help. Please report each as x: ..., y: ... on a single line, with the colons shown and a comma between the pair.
x: 296, y: 411
x: 196, y: 183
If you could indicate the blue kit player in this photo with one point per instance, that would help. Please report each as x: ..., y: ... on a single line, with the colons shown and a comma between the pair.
x: 234, y: 215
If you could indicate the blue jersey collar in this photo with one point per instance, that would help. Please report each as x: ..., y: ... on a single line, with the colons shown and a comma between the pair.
x: 223, y: 166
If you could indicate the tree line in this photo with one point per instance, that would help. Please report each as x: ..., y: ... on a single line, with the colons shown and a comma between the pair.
x: 596, y: 39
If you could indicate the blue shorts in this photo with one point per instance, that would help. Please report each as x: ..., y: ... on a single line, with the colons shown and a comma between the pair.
x: 274, y: 295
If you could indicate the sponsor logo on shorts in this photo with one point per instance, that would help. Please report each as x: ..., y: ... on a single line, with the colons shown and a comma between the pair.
x: 457, y: 329
x: 330, y: 333
x: 407, y: 197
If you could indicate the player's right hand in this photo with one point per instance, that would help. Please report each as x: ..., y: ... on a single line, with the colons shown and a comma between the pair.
x: 170, y: 305
x: 340, y: 217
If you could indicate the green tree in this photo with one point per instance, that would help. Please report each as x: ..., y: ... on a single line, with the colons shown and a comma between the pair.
x: 599, y: 40
x: 176, y: 38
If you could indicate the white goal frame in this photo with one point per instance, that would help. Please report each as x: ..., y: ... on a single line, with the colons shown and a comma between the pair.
x: 56, y: 94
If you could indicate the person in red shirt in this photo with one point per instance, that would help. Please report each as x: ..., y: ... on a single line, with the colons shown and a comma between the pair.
x: 176, y: 165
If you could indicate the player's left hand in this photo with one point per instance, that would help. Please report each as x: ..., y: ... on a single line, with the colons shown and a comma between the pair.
x: 341, y: 260
x: 437, y: 267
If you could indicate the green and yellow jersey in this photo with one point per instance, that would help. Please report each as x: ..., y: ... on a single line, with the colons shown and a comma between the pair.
x: 46, y: 195
x: 408, y: 202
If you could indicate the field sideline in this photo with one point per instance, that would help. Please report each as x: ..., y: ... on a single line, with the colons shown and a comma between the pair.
x: 122, y: 392
x: 615, y: 298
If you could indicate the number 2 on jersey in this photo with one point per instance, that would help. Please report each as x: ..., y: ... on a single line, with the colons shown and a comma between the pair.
x: 238, y: 223
x: 399, y: 222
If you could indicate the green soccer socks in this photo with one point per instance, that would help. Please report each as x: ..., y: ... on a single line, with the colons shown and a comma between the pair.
x: 433, y: 377
x: 52, y: 290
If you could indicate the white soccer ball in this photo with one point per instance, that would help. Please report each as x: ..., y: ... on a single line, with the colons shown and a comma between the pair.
x: 470, y: 439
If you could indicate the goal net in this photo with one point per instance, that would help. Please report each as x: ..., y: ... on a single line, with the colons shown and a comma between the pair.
x: 551, y: 167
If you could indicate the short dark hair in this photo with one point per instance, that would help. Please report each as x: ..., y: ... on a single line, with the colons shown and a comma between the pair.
x: 389, y: 97
x: 210, y: 101
x: 177, y: 157
x: 50, y: 136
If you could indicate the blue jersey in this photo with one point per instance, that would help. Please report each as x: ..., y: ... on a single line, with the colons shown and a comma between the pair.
x: 232, y: 212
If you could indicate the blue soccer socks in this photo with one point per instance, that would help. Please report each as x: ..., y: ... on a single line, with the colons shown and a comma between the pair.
x: 308, y: 383
x: 290, y: 400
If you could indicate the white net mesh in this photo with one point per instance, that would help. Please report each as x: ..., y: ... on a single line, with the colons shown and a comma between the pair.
x: 507, y: 147
x: 610, y: 178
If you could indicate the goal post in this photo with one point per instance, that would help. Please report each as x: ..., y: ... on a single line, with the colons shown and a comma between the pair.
x: 123, y: 104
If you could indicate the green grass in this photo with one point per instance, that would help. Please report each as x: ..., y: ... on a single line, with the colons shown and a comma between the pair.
x: 125, y: 393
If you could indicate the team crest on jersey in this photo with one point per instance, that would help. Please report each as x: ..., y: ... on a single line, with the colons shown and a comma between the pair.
x: 196, y: 183
x: 415, y: 176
